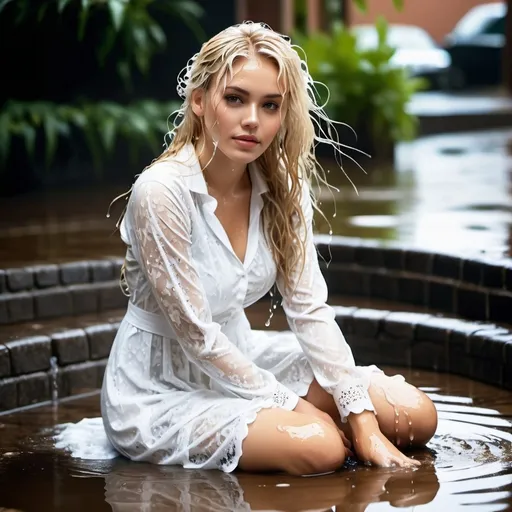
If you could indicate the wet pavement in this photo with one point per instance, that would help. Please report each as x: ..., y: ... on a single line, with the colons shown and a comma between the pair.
x: 446, y: 192
x: 467, y: 466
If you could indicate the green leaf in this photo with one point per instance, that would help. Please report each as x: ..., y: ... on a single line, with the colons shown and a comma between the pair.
x: 360, y: 4
x: 5, y: 137
x: 399, y: 4
x: 3, y: 3
x: 117, y: 11
x: 107, y: 129
x: 29, y: 136
x: 51, y: 131
x: 62, y: 4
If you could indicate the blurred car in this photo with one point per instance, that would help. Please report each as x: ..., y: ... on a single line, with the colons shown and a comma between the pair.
x: 415, y: 51
x: 477, y: 43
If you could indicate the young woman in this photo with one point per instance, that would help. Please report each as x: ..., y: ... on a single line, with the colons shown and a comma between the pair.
x: 223, y: 214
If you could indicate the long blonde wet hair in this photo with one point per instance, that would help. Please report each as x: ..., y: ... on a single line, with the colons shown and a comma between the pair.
x: 290, y: 160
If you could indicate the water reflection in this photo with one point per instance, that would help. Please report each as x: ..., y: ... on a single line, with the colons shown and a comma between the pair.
x: 139, y: 487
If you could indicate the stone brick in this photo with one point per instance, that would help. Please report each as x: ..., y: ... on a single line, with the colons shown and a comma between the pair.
x: 369, y: 255
x: 19, y: 279
x: 500, y: 307
x: 340, y: 253
x: 344, y: 318
x: 100, y: 338
x: 70, y: 346
x: 394, y: 258
x: 85, y: 298
x: 102, y: 270
x: 4, y: 313
x: 345, y: 280
x: 383, y: 285
x: 79, y: 378
x: 489, y: 371
x: 117, y: 264
x: 445, y: 265
x: 5, y: 361
x: 429, y: 356
x: 3, y: 283
x: 100, y: 371
x: 471, y: 303
x: 111, y: 296
x: 419, y: 262
x: 441, y: 296
x: 20, y: 307
x: 436, y: 329
x: 402, y: 325
x: 33, y: 388
x: 487, y: 344
x: 46, y: 276
x: 53, y: 302
x: 368, y: 322
x: 8, y: 394
x: 412, y: 290
x: 396, y: 352
x: 74, y: 272
x: 472, y: 271
x: 30, y: 354
x: 493, y: 275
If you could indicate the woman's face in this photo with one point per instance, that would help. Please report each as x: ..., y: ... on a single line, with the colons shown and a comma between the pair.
x: 243, y: 114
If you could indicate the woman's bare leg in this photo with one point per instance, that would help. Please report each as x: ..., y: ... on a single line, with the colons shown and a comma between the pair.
x: 299, y: 444
x: 406, y: 416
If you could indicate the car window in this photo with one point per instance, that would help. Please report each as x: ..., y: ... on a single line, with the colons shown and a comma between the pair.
x: 495, y: 26
x: 480, y: 20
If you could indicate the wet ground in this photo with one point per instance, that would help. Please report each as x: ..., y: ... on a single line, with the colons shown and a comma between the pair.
x: 467, y: 466
x: 446, y: 192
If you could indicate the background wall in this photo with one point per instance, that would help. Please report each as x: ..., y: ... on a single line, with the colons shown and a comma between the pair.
x: 438, y: 17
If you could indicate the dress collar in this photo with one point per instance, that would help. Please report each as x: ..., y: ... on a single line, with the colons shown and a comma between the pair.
x: 194, y: 178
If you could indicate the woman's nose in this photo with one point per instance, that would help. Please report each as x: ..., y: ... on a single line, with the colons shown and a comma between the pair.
x: 251, y: 117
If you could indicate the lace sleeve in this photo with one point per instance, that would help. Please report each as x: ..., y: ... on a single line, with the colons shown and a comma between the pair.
x: 314, y: 324
x: 161, y: 219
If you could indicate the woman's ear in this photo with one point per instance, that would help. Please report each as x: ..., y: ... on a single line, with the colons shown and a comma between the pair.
x: 198, y: 100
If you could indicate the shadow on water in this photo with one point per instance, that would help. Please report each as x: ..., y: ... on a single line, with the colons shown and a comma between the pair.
x: 467, y: 466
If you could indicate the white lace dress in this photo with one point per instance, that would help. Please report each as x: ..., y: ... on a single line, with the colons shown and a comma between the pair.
x: 186, y: 374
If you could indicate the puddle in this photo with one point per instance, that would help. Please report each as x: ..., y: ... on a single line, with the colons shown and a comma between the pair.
x: 467, y: 466
x: 439, y: 188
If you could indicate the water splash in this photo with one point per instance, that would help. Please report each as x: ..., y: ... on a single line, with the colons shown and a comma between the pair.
x: 54, y: 374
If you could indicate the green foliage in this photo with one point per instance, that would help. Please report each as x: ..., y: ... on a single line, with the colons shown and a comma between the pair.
x: 142, y: 124
x: 362, y: 4
x: 131, y: 25
x: 365, y: 89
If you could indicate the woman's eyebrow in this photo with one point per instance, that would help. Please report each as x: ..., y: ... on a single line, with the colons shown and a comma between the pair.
x: 243, y: 91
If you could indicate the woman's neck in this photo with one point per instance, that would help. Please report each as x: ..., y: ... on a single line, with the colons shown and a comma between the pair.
x: 222, y: 176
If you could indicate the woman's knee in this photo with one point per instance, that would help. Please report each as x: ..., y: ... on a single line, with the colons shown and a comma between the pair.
x: 425, y: 421
x: 322, y: 453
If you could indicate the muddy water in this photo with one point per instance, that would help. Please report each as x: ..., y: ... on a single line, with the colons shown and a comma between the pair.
x: 467, y: 466
x: 450, y: 192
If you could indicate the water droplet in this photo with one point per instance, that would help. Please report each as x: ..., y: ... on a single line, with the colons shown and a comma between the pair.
x: 267, y: 323
x: 108, y: 215
x: 333, y: 215
x: 330, y: 232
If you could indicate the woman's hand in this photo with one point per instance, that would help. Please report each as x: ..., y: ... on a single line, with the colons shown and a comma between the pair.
x: 372, y: 446
x: 305, y: 407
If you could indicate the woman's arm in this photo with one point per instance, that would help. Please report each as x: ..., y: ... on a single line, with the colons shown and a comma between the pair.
x: 314, y: 324
x: 162, y: 226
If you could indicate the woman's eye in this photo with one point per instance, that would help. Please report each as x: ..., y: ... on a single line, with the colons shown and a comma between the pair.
x: 233, y: 99
x: 271, y: 106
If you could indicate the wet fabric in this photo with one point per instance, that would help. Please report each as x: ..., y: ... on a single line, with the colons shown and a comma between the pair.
x: 187, y: 374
